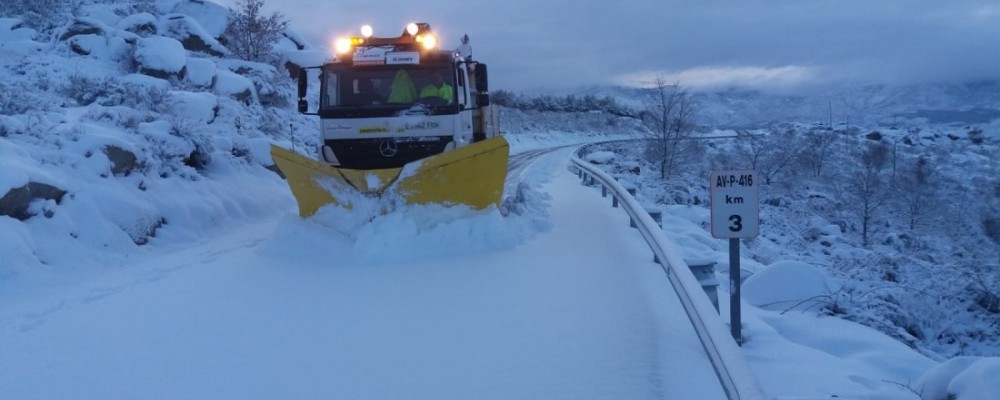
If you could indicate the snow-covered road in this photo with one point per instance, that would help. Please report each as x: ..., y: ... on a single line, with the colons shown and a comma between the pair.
x: 568, y: 305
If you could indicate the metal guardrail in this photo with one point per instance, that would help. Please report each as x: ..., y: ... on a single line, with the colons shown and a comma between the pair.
x: 727, y: 360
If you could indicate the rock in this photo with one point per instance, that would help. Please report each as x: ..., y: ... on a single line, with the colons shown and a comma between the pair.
x: 15, y: 202
x: 123, y: 162
x: 83, y: 26
x: 191, y: 35
x: 161, y: 57
x: 142, y: 24
x: 212, y: 16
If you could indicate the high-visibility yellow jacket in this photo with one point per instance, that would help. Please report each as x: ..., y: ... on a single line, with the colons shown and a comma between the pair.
x: 402, y: 89
x: 444, y: 92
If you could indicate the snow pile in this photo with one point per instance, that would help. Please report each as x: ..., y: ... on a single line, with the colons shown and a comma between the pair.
x: 787, y: 285
x: 961, y: 378
x: 160, y: 56
x: 600, y: 157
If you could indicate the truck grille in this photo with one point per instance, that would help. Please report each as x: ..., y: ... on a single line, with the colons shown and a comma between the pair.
x: 385, y: 152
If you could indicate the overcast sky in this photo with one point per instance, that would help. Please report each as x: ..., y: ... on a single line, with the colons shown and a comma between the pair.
x: 782, y: 44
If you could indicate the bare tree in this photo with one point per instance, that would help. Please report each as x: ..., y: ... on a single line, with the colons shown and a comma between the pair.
x: 915, y: 189
x: 250, y: 34
x: 818, y: 148
x: 868, y: 186
x: 669, y: 116
x: 767, y: 154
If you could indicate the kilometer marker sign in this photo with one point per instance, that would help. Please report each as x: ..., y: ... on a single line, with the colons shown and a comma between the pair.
x: 735, y: 204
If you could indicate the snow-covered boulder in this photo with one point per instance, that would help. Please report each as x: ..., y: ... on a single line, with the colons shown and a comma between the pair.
x: 142, y: 24
x: 262, y: 76
x: 17, y: 38
x: 24, y: 187
x: 84, y: 26
x: 161, y: 57
x: 89, y: 37
x: 197, y: 107
x: 211, y: 16
x: 191, y: 35
x: 961, y: 378
x: 200, y: 72
x: 247, y: 68
x: 12, y: 29
x: 17, y: 202
x: 123, y: 162
x: 787, y: 284
x: 291, y: 40
x: 600, y: 157
x: 102, y: 13
x: 294, y: 60
x: 234, y: 85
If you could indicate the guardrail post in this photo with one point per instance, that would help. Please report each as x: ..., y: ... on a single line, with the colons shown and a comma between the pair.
x: 704, y: 271
x: 604, y: 191
x: 614, y: 201
x: 658, y: 217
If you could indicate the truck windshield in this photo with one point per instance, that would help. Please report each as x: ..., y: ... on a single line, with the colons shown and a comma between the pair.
x: 391, y: 86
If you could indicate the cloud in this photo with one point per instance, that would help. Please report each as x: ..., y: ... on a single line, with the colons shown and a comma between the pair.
x: 706, y: 78
x: 763, y: 44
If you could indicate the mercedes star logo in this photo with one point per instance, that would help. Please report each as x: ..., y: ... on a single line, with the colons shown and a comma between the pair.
x: 388, y: 148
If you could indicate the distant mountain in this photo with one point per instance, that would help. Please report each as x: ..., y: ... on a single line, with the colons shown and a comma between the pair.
x: 873, y: 105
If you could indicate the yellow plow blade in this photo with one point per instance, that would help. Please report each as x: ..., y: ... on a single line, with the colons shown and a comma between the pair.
x: 473, y: 175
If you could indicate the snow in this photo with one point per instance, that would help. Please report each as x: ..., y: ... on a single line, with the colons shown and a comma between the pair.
x: 183, y: 27
x: 229, y: 83
x: 212, y: 16
x: 600, y: 157
x: 183, y: 281
x: 787, y: 285
x: 200, y: 71
x: 161, y: 54
x: 197, y: 107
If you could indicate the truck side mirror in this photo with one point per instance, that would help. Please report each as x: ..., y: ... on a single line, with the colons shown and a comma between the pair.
x: 482, y: 80
x: 483, y: 99
x: 303, y: 84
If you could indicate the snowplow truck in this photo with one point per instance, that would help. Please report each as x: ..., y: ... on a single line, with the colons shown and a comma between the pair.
x: 399, y: 117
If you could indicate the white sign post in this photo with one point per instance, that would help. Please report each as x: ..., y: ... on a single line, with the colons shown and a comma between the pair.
x: 735, y: 215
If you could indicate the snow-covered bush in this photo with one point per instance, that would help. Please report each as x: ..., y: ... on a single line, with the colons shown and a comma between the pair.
x: 18, y: 98
x: 43, y: 15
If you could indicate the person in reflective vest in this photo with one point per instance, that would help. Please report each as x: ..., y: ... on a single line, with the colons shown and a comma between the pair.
x: 402, y: 89
x: 438, y: 88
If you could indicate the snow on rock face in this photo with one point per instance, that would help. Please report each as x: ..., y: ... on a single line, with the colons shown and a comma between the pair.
x: 297, y: 59
x: 211, y: 16
x: 17, y: 39
x: 191, y: 35
x: 785, y: 284
x: 962, y: 378
x: 89, y: 37
x: 198, y: 107
x: 142, y: 24
x: 234, y: 85
x: 12, y: 29
x: 200, y: 72
x: 161, y: 57
x: 84, y: 26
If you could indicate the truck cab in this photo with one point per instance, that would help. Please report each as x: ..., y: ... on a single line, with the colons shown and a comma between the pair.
x: 386, y: 102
